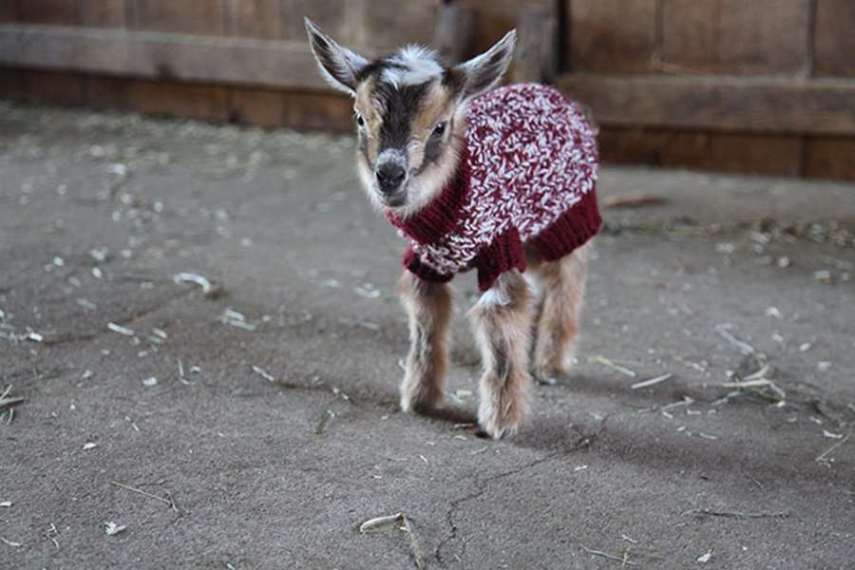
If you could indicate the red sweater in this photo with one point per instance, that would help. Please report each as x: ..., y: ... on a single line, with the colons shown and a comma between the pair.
x: 527, y: 177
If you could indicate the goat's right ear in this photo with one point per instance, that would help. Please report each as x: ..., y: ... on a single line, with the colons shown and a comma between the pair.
x: 339, y: 65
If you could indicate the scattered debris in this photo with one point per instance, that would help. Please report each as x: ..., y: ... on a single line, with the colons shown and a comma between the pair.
x: 6, y: 400
x: 404, y: 526
x: 825, y: 456
x: 113, y: 529
x: 263, y: 373
x: 208, y: 289
x: 624, y: 560
x: 325, y: 420
x: 723, y: 331
x: 634, y: 200
x: 368, y: 291
x: 823, y: 276
x: 120, y: 329
x: 87, y: 304
x: 651, y: 382
x: 600, y: 359
x: 737, y: 514
x: 168, y: 500
x: 236, y: 319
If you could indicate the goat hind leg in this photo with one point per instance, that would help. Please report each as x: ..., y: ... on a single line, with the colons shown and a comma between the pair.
x: 502, y: 321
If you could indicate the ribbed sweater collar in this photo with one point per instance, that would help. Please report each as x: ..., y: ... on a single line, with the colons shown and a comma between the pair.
x: 441, y: 215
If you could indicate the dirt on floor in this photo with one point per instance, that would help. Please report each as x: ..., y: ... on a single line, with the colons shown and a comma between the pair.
x: 249, y: 419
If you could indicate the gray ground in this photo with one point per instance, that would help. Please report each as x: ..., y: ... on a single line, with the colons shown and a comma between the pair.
x: 286, y: 437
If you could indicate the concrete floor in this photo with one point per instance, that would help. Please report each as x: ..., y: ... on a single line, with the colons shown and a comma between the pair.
x: 282, y: 435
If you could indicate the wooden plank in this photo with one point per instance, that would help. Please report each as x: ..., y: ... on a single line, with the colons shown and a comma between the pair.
x: 769, y: 155
x: 8, y: 11
x: 202, y: 102
x: 536, y: 53
x: 717, y: 103
x: 53, y: 88
x: 735, y: 36
x: 834, y: 40
x: 830, y: 158
x: 611, y: 36
x: 260, y: 19
x: 310, y: 111
x: 160, y: 56
x: 453, y: 36
x: 58, y: 12
x: 203, y: 17
x: 103, y: 13
x: 339, y: 18
x: 389, y: 24
x: 259, y: 107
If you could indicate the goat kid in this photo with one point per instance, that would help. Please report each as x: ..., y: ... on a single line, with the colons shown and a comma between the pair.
x: 474, y: 176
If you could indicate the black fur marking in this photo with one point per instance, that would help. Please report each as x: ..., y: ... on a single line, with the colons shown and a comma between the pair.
x: 400, y: 106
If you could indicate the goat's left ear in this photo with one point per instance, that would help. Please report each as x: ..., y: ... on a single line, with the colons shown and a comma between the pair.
x: 484, y: 71
x: 339, y: 66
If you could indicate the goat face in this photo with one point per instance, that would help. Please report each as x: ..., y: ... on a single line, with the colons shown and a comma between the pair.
x: 410, y: 113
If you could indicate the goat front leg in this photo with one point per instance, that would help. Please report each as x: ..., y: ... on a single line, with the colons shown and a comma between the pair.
x: 428, y: 307
x: 502, y: 322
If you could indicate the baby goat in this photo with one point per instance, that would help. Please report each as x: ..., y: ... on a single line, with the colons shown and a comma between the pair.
x: 476, y: 177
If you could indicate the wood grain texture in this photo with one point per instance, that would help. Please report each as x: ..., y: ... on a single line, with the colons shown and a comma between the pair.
x: 734, y: 36
x: 103, y: 13
x: 260, y: 107
x: 612, y: 35
x: 160, y: 56
x: 260, y: 19
x: 834, y: 46
x: 325, y: 111
x: 53, y: 88
x: 202, y: 102
x: 54, y: 12
x: 722, y: 152
x: 204, y: 17
x: 832, y: 158
x: 716, y: 103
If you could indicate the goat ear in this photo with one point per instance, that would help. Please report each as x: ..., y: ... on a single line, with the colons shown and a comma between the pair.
x: 338, y: 65
x: 484, y: 71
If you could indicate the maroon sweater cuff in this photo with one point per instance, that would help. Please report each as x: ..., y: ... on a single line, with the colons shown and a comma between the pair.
x: 415, y: 266
x: 505, y: 253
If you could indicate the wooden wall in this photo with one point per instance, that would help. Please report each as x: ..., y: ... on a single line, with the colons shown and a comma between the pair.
x: 764, y: 86
x: 760, y: 86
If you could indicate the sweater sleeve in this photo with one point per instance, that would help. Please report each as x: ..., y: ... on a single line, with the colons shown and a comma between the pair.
x: 503, y: 254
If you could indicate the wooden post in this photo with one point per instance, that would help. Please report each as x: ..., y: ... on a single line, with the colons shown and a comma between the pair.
x: 537, y: 47
x: 453, y: 34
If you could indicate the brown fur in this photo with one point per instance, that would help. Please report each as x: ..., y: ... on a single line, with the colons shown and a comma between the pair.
x: 559, y: 310
x: 428, y: 306
x: 501, y: 321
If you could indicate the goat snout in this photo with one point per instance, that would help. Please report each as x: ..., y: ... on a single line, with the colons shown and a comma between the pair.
x: 390, y: 176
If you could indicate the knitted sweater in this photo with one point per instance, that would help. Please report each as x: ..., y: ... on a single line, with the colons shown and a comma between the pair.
x: 526, y: 180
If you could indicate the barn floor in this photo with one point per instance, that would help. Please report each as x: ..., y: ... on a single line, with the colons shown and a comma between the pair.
x: 256, y: 426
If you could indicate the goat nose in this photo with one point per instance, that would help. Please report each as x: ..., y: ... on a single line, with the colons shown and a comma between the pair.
x: 390, y: 177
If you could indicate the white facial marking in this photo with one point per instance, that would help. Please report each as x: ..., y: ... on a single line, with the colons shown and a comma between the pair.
x: 393, y: 156
x: 419, y: 65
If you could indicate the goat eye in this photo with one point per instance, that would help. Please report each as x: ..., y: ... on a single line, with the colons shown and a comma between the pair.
x: 359, y: 120
x: 439, y: 130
